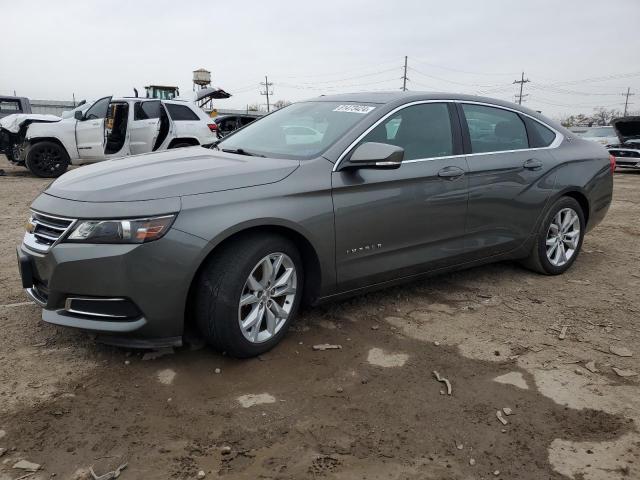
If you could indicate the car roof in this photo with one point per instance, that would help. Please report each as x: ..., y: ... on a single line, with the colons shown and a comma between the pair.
x: 393, y: 99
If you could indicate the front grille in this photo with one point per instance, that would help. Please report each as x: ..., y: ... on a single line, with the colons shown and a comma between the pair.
x: 43, y: 231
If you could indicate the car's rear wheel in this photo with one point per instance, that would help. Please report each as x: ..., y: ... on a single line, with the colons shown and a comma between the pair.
x: 248, y: 294
x: 46, y: 159
x: 559, y: 239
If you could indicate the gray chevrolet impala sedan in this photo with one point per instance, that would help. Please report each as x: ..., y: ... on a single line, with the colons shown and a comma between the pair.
x: 319, y: 200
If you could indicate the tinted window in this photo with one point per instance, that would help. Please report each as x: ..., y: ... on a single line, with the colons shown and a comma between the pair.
x: 424, y: 131
x: 10, y: 106
x: 494, y: 129
x: 539, y: 135
x: 246, y: 120
x: 181, y: 112
x: 98, y: 109
x: 227, y: 124
x: 146, y: 110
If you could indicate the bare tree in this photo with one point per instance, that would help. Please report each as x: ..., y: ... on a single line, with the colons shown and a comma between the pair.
x: 602, y: 116
x: 280, y: 104
x: 254, y: 107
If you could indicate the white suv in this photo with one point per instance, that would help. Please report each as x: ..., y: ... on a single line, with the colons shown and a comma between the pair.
x: 110, y: 128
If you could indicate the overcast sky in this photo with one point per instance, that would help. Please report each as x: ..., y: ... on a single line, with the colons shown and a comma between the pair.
x: 53, y: 49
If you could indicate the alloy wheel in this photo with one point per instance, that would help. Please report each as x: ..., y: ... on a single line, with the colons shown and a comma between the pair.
x: 563, y: 237
x: 267, y: 297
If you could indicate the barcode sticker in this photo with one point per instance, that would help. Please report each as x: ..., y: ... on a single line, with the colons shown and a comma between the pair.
x: 353, y: 108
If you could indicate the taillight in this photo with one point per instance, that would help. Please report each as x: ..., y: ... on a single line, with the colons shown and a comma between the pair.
x: 612, y: 163
x: 212, y: 126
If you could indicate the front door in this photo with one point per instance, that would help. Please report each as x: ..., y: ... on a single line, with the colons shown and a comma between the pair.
x: 510, y: 178
x: 395, y: 223
x: 145, y: 127
x: 90, y: 131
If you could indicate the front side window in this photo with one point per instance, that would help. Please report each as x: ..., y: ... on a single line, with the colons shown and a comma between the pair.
x: 494, y: 129
x: 98, y: 109
x: 181, y: 112
x: 423, y: 131
x: 301, y: 131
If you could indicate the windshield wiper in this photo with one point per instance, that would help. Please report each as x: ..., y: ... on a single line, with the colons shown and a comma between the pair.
x: 241, y: 151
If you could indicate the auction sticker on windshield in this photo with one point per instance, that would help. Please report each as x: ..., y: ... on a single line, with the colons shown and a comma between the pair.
x: 353, y: 108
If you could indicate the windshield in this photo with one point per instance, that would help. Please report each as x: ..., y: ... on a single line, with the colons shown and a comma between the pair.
x: 302, y: 130
x: 598, y: 132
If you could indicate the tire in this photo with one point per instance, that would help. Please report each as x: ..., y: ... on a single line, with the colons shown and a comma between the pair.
x: 551, y: 262
x: 224, y: 280
x: 46, y: 159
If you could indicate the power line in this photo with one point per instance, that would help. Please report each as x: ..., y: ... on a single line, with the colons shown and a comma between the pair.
x: 266, y: 92
x: 522, y: 81
x: 463, y: 71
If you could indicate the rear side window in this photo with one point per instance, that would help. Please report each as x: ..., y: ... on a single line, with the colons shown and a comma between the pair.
x: 494, y: 129
x: 539, y: 135
x: 423, y: 131
x: 146, y: 110
x: 10, y: 106
x: 181, y: 112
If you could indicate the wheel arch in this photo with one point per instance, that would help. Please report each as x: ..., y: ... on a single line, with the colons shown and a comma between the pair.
x: 190, y: 140
x: 36, y: 140
x: 582, y: 200
x: 310, y: 258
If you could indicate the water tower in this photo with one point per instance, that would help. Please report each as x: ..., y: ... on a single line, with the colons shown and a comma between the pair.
x: 201, y: 78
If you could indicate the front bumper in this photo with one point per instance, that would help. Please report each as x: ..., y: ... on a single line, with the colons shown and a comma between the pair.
x: 128, y: 294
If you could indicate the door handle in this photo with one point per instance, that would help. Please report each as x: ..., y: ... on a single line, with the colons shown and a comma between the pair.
x: 451, y: 173
x: 532, y: 164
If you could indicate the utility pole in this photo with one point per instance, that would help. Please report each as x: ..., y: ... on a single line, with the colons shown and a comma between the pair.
x: 404, y: 77
x: 266, y: 92
x: 522, y: 81
x: 626, y: 102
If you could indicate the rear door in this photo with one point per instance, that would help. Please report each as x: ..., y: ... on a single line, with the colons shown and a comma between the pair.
x: 90, y: 131
x: 510, y: 177
x: 145, y: 127
x: 185, y: 122
x: 395, y: 223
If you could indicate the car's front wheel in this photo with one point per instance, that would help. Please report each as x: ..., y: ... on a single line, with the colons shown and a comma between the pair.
x: 248, y: 293
x: 46, y: 159
x: 559, y: 239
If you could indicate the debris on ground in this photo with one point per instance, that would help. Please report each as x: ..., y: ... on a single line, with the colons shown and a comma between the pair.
x: 217, y: 371
x: 3, y: 451
x: 226, y: 450
x: 591, y: 366
x: 620, y: 351
x: 496, y: 472
x: 563, y: 332
x: 443, y: 380
x: 472, y: 461
x: 326, y: 346
x: 201, y: 474
x: 27, y: 466
x: 2, y: 433
x: 501, y: 418
x: 621, y: 372
x: 507, y: 411
x: 161, y: 352
x: 109, y: 475
x: 375, y: 327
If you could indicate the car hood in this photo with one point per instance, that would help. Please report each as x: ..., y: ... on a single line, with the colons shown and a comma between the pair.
x: 173, y: 173
x: 14, y: 121
x: 627, y: 128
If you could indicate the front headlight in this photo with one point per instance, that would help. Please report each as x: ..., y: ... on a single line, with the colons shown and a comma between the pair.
x: 136, y: 230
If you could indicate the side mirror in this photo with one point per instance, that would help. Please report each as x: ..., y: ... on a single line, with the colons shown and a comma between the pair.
x: 78, y: 115
x: 376, y: 155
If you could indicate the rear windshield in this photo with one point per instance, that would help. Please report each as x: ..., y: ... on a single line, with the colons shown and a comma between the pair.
x: 598, y: 132
x: 302, y: 130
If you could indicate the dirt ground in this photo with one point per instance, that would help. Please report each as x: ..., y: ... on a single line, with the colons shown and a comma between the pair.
x: 370, y: 410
